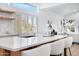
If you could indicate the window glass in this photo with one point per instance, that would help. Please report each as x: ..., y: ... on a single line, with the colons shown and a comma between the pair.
x: 34, y: 21
x: 30, y: 20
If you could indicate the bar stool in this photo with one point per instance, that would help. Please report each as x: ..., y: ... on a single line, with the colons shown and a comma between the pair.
x: 43, y: 50
x: 57, y: 48
x: 68, y: 44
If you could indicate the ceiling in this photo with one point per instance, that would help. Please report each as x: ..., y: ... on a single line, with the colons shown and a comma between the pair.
x: 64, y: 9
x: 45, y: 5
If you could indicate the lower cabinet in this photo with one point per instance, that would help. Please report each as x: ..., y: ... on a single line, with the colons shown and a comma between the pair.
x: 4, y: 52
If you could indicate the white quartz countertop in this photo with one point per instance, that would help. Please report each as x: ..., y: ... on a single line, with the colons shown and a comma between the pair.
x: 18, y: 43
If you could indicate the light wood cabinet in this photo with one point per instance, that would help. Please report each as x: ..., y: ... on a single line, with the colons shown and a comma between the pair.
x: 4, y: 52
x: 15, y: 53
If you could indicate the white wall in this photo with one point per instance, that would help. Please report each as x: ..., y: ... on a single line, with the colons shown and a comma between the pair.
x: 44, y: 16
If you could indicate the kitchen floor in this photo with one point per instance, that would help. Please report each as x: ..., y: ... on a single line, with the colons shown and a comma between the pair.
x: 74, y: 50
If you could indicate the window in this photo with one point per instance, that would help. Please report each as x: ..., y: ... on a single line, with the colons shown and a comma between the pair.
x: 34, y: 21
x: 30, y: 20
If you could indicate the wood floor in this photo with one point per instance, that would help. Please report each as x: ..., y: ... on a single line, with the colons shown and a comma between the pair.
x: 74, y: 50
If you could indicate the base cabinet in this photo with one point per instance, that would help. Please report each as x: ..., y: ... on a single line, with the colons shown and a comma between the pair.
x: 15, y: 53
x: 4, y: 52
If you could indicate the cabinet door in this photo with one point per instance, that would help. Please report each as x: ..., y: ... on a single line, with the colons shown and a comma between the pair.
x: 4, y: 52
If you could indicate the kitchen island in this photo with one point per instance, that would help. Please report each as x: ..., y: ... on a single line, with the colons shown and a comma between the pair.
x: 13, y: 46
